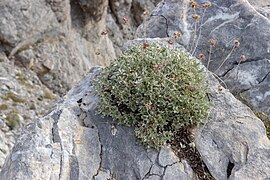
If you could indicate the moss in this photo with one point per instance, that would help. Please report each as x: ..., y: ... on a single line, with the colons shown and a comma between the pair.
x: 47, y: 94
x: 26, y: 117
x: 13, y: 119
x: 22, y: 79
x: 32, y: 107
x: 261, y: 115
x: 14, y: 97
x: 3, y: 106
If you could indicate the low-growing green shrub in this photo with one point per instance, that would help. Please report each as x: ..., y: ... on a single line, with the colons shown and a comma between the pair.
x: 155, y: 89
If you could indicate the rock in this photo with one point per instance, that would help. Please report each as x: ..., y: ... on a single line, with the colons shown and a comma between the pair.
x: 26, y: 57
x: 2, y: 124
x: 54, y: 43
x: 135, y: 11
x: 233, y: 144
x: 25, y: 20
x: 166, y: 157
x: 48, y: 37
x: 61, y: 145
x: 253, y: 83
x: 23, y: 98
x: 71, y: 136
x: 224, y: 21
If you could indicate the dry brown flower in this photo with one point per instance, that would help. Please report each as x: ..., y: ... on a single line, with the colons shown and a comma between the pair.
x: 125, y: 20
x: 243, y: 58
x: 177, y: 34
x: 236, y: 43
x: 212, y: 42
x: 206, y: 5
x: 196, y: 16
x: 146, y: 44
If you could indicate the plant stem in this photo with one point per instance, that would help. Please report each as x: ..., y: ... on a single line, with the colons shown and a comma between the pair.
x: 209, y: 57
x: 200, y: 32
x: 225, y: 59
x: 195, y: 31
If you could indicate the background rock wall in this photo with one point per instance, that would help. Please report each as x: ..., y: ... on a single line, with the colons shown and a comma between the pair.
x: 47, y: 46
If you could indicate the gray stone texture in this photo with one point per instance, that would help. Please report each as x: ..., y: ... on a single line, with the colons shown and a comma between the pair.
x: 224, y: 21
x: 73, y: 142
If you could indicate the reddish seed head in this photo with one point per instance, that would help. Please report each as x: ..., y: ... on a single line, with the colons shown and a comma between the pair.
x: 201, y: 56
x: 206, y: 5
x: 194, y: 5
x: 125, y: 20
x: 146, y: 44
x: 170, y: 41
x: 156, y: 68
x: 236, y: 43
x: 148, y: 106
x: 219, y: 88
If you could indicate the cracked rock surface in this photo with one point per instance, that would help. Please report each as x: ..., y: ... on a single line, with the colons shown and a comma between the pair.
x: 225, y: 21
x: 233, y: 144
x: 73, y: 142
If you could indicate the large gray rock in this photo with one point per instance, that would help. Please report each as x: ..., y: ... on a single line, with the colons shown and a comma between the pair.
x: 73, y: 142
x: 64, y: 38
x: 233, y: 144
x: 45, y: 44
x: 224, y: 21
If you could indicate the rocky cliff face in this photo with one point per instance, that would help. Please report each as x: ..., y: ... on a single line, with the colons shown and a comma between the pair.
x: 46, y: 46
x: 72, y: 141
x: 224, y: 21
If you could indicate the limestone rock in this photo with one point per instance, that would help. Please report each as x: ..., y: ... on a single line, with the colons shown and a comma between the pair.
x: 233, y: 144
x: 135, y: 11
x: 73, y: 142
x: 61, y: 36
x: 224, y: 21
x: 23, y: 98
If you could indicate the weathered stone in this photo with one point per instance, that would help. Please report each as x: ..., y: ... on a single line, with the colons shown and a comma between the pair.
x: 233, y: 144
x: 224, y: 21
x: 166, y: 156
x: 24, y: 98
x: 25, y: 21
x: 135, y: 11
x: 63, y: 146
x: 253, y: 83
